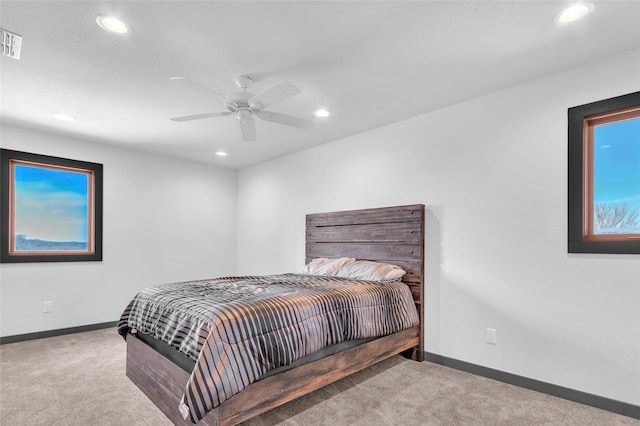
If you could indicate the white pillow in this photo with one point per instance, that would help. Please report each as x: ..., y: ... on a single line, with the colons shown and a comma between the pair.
x: 368, y: 270
x: 395, y: 274
x: 326, y: 266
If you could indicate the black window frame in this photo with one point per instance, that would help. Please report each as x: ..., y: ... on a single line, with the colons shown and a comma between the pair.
x: 577, y: 203
x: 7, y: 157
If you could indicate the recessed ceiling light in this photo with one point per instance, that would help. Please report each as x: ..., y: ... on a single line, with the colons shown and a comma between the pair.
x: 112, y: 24
x: 64, y: 117
x: 322, y: 113
x: 574, y: 12
x: 221, y: 154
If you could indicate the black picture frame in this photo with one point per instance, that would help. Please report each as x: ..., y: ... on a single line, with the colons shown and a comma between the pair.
x: 93, y: 251
x: 576, y: 185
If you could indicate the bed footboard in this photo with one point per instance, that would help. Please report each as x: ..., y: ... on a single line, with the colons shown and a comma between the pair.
x: 163, y: 382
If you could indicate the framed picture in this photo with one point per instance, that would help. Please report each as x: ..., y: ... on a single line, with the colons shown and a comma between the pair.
x: 51, y: 209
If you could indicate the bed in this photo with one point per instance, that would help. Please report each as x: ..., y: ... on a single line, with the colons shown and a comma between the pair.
x: 390, y: 235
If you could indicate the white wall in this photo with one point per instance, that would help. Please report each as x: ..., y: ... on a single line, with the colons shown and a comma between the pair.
x: 165, y: 220
x: 493, y: 174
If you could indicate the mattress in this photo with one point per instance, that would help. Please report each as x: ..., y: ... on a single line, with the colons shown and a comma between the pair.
x: 187, y: 364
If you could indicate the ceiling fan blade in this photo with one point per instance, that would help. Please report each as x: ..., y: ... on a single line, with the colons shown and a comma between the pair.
x: 199, y: 116
x: 277, y: 93
x: 247, y: 128
x: 197, y: 87
x: 287, y: 120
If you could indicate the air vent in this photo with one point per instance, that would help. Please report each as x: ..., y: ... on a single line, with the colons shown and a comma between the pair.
x: 11, y: 44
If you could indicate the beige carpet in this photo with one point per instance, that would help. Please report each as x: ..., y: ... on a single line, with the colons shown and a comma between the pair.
x: 80, y: 380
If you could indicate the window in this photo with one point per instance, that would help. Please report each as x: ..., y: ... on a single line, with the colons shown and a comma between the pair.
x: 604, y: 176
x: 51, y: 208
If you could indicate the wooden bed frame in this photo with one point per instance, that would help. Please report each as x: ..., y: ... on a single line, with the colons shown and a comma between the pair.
x: 391, y: 234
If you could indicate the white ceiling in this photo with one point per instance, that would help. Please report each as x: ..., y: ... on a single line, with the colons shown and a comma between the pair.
x: 370, y: 63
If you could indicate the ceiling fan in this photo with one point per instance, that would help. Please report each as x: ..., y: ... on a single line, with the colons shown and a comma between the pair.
x: 245, y: 106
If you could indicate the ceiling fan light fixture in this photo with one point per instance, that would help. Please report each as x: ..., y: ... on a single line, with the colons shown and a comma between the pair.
x: 244, y: 115
x: 574, y: 12
x: 112, y: 24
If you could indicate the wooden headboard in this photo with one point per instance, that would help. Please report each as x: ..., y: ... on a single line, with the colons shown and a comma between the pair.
x: 389, y: 234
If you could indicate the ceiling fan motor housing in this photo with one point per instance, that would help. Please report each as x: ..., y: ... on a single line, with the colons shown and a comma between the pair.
x: 238, y: 101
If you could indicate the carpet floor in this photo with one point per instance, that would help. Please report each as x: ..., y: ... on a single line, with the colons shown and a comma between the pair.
x: 80, y: 379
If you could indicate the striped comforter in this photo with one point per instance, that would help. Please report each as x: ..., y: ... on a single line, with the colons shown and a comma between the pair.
x: 239, y: 328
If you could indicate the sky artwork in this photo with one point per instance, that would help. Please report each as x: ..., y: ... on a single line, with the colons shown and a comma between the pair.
x: 50, y: 204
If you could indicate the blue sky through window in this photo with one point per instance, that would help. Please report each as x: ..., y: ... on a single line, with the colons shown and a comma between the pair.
x: 51, y: 204
x: 616, y: 174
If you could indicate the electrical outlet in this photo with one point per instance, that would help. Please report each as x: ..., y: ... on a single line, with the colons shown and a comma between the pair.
x: 47, y: 307
x: 491, y: 336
